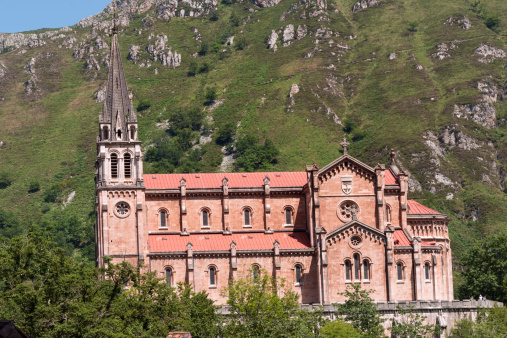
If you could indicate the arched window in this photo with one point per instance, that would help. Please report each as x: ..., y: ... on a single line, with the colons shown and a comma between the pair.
x: 388, y: 214
x: 205, y: 218
x: 366, y: 269
x: 256, y: 272
x: 132, y: 133
x: 427, y: 271
x: 347, y: 270
x: 169, y: 276
x: 298, y: 274
x: 163, y: 217
x: 114, y: 166
x: 127, y: 166
x: 247, y: 217
x: 288, y: 216
x: 356, y: 267
x: 105, y: 133
x: 399, y: 268
x: 212, y: 276
x: 119, y: 134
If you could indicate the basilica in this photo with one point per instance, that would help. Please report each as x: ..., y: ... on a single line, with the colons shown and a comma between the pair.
x: 320, y: 229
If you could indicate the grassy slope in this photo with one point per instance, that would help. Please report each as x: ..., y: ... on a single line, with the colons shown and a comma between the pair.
x: 52, y: 139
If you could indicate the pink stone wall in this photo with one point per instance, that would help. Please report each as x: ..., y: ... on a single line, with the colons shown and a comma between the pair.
x: 121, y: 232
x: 153, y: 207
x: 236, y: 216
x: 402, y: 290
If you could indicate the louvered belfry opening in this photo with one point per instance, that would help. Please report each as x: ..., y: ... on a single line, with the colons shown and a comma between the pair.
x: 114, y: 166
x: 127, y: 165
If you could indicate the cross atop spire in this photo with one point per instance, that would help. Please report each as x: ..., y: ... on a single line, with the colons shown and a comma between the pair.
x: 345, y: 144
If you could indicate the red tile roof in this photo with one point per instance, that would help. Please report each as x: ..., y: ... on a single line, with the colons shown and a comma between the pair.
x: 417, y: 208
x: 389, y: 178
x: 428, y: 243
x: 400, y: 239
x: 218, y: 242
x: 236, y: 180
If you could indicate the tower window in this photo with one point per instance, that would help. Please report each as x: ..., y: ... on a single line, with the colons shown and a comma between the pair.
x: 119, y: 134
x: 168, y: 276
x: 356, y: 266
x: 163, y: 219
x: 132, y: 133
x: 256, y: 273
x: 298, y: 274
x: 105, y: 133
x: 427, y: 271
x: 205, y: 218
x: 399, y: 268
x: 127, y: 166
x: 212, y: 281
x: 388, y: 214
x: 247, y: 217
x: 114, y: 166
x: 288, y: 216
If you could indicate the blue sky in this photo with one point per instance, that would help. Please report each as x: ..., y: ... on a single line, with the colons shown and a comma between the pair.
x: 25, y: 15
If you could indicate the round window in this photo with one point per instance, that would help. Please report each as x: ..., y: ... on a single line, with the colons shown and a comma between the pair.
x: 122, y: 209
x: 348, y: 211
x: 355, y: 242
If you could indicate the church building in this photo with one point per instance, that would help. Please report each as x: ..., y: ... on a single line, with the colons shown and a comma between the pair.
x: 321, y: 228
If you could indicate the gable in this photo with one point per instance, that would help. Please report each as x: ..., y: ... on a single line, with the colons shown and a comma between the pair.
x: 347, y: 175
x: 355, y: 228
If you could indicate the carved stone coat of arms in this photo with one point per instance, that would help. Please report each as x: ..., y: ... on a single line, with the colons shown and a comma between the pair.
x: 347, y: 184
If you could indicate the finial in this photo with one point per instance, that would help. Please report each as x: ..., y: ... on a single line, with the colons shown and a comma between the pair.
x: 225, y: 181
x: 266, y: 180
x: 393, y: 155
x: 345, y: 144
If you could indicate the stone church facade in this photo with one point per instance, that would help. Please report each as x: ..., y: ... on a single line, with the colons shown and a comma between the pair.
x: 321, y: 228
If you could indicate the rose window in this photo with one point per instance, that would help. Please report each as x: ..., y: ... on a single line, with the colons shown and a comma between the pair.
x: 122, y: 209
x: 348, y: 211
x: 355, y: 240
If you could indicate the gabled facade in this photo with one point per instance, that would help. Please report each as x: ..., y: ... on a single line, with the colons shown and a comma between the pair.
x: 320, y: 229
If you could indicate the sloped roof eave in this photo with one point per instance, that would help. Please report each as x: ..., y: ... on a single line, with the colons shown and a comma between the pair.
x: 347, y: 225
x: 342, y: 158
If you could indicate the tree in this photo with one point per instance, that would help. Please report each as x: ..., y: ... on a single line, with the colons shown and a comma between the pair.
x: 204, y: 48
x: 5, y: 180
x: 485, y: 271
x: 34, y: 186
x: 252, y: 156
x: 360, y: 310
x: 412, y: 325
x: 490, y: 322
x: 339, y: 329
x: 226, y: 133
x: 211, y: 95
x: 192, y: 68
x: 266, y: 307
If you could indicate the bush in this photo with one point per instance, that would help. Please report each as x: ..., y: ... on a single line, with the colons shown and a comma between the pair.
x: 234, y: 20
x: 204, y: 68
x: 204, y: 48
x: 241, y: 43
x: 492, y: 22
x: 252, y: 156
x: 211, y: 95
x: 51, y: 195
x: 339, y: 329
x: 215, y: 48
x: 5, y: 180
x: 192, y: 68
x: 213, y: 16
x: 349, y: 125
x: 412, y: 26
x: 226, y: 133
x: 34, y: 186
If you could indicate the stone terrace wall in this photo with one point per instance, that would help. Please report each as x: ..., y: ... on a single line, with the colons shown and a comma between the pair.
x: 451, y: 311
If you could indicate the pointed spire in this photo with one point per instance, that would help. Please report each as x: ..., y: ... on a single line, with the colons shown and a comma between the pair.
x: 118, y: 109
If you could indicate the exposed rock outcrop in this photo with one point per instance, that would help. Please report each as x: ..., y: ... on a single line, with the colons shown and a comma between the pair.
x: 3, y: 69
x: 392, y: 56
x: 363, y: 4
x: 100, y: 94
x: 160, y: 51
x: 301, y: 32
x: 133, y: 53
x: 288, y: 35
x: 265, y: 3
x: 489, y: 54
x: 482, y: 113
x: 460, y: 21
x: 443, y: 51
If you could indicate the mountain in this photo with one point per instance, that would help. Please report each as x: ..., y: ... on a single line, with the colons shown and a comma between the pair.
x: 213, y: 81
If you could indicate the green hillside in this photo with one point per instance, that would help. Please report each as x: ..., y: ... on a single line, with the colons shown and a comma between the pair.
x: 380, y: 77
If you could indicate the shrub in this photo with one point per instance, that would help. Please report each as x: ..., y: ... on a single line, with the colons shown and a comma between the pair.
x: 143, y: 105
x: 492, y: 22
x: 339, y: 329
x: 226, y: 133
x: 215, y: 48
x: 204, y: 48
x: 211, y: 95
x: 192, y: 68
x: 34, y: 186
x: 241, y: 43
x: 204, y: 68
x: 253, y: 156
x: 51, y: 195
x: 213, y: 16
x: 234, y: 20
x: 412, y: 26
x: 5, y: 180
x: 349, y: 125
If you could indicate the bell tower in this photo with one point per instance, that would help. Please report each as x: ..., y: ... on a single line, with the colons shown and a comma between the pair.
x: 119, y: 171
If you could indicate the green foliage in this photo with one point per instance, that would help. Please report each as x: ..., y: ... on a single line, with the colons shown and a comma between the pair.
x: 241, y: 43
x: 10, y: 225
x: 412, y: 325
x: 49, y: 294
x: 360, y: 310
x: 226, y: 133
x: 34, y: 186
x: 492, y: 21
x: 213, y: 15
x: 204, y: 48
x: 339, y: 329
x: 192, y: 68
x: 412, y: 26
x: 143, y: 105
x: 211, y: 95
x: 234, y: 20
x: 349, y: 125
x: 5, y: 179
x: 51, y: 195
x: 204, y: 68
x: 485, y: 272
x: 252, y: 156
x: 490, y: 322
x: 266, y: 307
